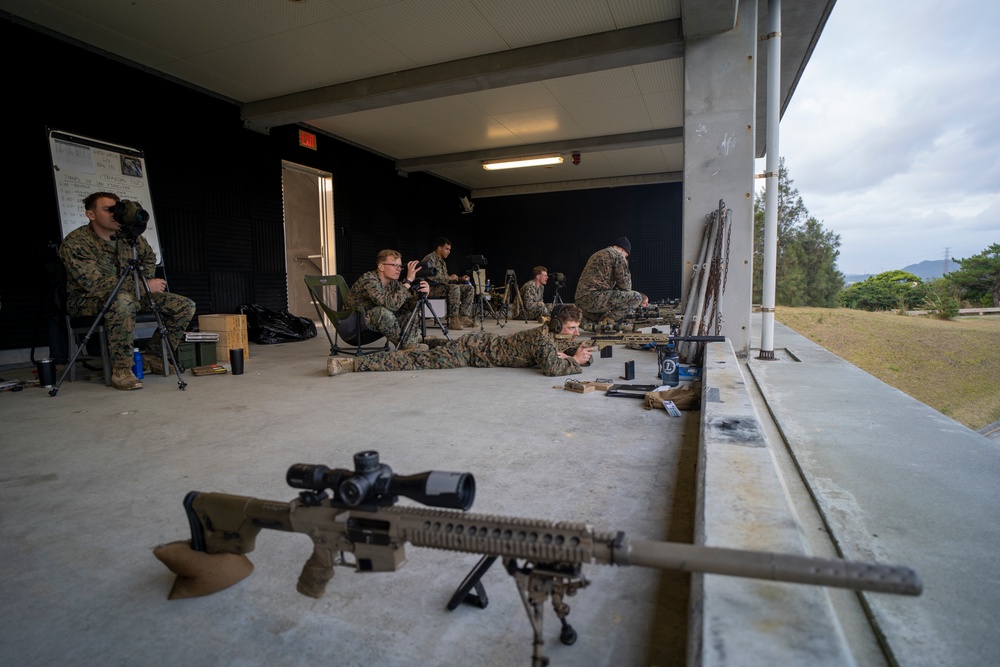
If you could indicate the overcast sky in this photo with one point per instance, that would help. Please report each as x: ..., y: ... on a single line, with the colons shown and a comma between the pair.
x: 892, y: 137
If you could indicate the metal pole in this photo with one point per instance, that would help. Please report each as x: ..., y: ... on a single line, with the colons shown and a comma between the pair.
x: 771, y: 178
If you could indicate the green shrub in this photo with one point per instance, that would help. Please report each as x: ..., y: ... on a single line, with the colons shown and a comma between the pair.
x: 892, y: 290
x: 941, y: 300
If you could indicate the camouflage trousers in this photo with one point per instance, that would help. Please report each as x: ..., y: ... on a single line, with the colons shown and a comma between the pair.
x: 459, y: 298
x: 176, y: 312
x: 532, y: 311
x: 465, y: 351
x: 614, y: 304
x: 391, y: 324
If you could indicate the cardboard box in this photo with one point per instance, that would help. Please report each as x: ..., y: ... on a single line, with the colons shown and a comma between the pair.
x: 232, y: 330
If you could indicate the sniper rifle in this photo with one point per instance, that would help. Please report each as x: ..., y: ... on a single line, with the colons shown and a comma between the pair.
x: 358, y: 519
x: 604, y: 341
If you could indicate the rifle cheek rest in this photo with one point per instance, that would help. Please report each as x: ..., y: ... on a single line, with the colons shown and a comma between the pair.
x: 199, y: 573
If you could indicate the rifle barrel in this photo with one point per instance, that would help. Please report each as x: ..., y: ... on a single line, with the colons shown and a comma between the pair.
x: 792, y: 568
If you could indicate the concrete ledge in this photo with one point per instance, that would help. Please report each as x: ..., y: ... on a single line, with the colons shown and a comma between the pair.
x: 742, y: 504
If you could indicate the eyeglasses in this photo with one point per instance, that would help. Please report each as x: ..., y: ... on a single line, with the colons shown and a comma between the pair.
x: 395, y: 266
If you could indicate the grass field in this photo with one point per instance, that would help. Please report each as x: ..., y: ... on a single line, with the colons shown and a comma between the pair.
x: 951, y: 365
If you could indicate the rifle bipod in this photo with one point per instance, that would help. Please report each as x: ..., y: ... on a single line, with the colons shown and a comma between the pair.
x: 536, y: 582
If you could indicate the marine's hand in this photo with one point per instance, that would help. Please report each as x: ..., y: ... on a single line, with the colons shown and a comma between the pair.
x: 411, y: 269
x: 424, y: 287
x: 157, y: 285
x: 583, y: 354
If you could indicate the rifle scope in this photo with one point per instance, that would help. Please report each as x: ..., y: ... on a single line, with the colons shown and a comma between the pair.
x: 372, y: 482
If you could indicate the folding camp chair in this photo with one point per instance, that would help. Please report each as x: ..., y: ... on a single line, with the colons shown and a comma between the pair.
x: 348, y: 323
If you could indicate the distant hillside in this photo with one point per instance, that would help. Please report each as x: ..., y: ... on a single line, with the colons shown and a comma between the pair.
x: 929, y: 269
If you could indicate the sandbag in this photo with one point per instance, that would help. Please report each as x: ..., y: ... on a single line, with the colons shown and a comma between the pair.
x: 686, y: 397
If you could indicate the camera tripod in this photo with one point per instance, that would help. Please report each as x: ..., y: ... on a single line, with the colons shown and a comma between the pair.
x: 420, y: 313
x: 556, y: 299
x: 511, y: 296
x: 135, y: 270
x: 481, y: 302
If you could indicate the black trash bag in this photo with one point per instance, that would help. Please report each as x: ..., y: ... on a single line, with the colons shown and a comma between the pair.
x: 267, y: 326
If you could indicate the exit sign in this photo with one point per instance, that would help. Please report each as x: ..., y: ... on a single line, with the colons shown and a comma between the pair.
x: 307, y: 139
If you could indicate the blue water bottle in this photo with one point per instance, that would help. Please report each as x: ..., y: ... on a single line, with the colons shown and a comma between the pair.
x: 487, y: 284
x: 137, y: 363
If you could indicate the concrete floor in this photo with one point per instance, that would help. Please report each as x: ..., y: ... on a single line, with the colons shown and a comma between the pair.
x: 93, y: 480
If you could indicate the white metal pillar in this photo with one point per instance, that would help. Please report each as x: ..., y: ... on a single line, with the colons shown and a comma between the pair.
x: 771, y: 178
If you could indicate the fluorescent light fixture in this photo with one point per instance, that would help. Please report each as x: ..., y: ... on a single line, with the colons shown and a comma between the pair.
x: 514, y: 163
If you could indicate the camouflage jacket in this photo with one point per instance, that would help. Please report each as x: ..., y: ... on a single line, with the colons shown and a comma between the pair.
x: 435, y: 261
x: 93, y: 265
x: 523, y: 349
x: 532, y: 296
x: 369, y: 293
x: 606, y: 270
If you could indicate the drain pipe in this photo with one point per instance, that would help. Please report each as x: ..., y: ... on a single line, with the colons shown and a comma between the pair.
x: 773, y: 38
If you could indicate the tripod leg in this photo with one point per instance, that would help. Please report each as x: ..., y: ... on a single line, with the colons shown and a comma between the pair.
x: 488, y: 305
x: 477, y: 310
x: 436, y: 320
x: 404, y: 335
x: 93, y: 327
x: 162, y: 329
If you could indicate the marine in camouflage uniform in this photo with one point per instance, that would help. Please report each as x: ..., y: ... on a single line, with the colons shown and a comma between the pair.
x: 524, y: 349
x: 532, y: 294
x: 605, y: 286
x: 459, y: 297
x: 386, y: 307
x: 93, y: 268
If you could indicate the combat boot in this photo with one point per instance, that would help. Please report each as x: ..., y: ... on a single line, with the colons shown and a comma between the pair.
x: 339, y: 365
x: 414, y: 347
x: 467, y: 321
x: 154, y: 365
x: 455, y: 323
x: 122, y: 378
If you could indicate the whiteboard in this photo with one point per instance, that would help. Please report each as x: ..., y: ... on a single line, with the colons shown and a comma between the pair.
x: 82, y: 166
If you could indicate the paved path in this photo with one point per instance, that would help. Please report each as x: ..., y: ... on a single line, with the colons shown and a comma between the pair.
x: 896, y: 482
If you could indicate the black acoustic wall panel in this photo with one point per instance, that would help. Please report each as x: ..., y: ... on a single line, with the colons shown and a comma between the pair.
x: 560, y: 231
x: 216, y: 190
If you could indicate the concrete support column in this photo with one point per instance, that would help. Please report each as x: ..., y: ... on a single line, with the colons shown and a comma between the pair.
x: 719, y: 101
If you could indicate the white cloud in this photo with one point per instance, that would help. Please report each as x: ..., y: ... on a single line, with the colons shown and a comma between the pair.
x: 891, y: 137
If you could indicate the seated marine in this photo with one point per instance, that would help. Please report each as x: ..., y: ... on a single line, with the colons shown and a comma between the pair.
x: 387, y: 300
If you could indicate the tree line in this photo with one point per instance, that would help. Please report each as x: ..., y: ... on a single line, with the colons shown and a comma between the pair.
x: 807, y: 275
